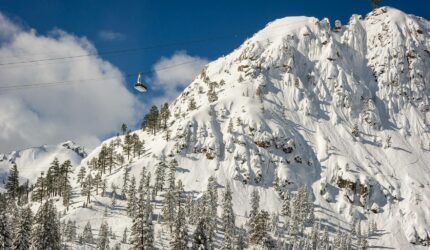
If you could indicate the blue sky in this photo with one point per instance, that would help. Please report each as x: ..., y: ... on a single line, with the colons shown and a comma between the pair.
x: 118, y: 25
x: 133, y: 24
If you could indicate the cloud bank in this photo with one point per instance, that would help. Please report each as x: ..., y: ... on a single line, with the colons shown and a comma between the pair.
x: 81, y: 111
x: 173, y: 74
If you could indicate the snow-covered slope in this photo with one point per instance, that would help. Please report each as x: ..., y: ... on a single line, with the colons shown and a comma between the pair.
x: 342, y: 109
x: 32, y: 161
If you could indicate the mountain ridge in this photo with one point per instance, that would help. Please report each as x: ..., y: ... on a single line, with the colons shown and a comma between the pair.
x: 342, y: 110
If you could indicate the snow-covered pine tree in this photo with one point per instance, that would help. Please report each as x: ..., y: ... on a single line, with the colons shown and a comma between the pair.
x: 210, y: 199
x: 113, y: 200
x: 22, y: 235
x: 169, y: 203
x: 125, y: 182
x: 46, y: 228
x: 12, y: 184
x: 87, y: 234
x: 97, y: 182
x: 104, y: 187
x: 259, y: 233
x: 124, y: 236
x: 65, y: 172
x: 314, y: 236
x: 81, y: 175
x: 160, y: 173
x: 230, y: 127
x: 87, y: 188
x: 127, y: 146
x: 228, y: 219
x: 70, y: 231
x: 164, y: 115
x: 5, y: 227
x: 124, y: 128
x: 286, y: 202
x: 103, y: 237
x: 180, y: 235
x: 67, y: 195
x: 142, y: 232
x: 131, y: 203
x: 255, y: 205
x: 337, y: 241
x: 325, y: 240
x: 240, y: 240
x: 192, y: 104
x: 200, y: 240
x: 359, y: 236
x: 39, y: 189
x: 148, y: 227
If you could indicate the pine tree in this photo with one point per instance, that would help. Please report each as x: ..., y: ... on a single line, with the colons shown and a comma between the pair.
x: 128, y: 145
x: 160, y: 176
x: 46, y: 229
x: 104, y: 187
x: 125, y: 180
x: 12, y: 185
x: 131, y: 204
x: 39, y: 189
x: 230, y: 127
x: 286, y: 211
x: 67, y: 195
x: 325, y: 241
x: 314, y: 236
x: 259, y: 233
x: 113, y: 200
x: 359, y: 235
x: 164, y: 115
x: 81, y: 175
x: 152, y: 120
x: 5, y: 229
x: 212, y: 205
x: 87, y: 234
x: 212, y: 95
x: 228, y: 219
x: 169, y: 208
x: 337, y: 242
x: 180, y: 235
x: 240, y: 239
x: 124, y: 128
x: 255, y: 205
x: 103, y: 239
x: 200, y: 241
x: 87, y: 187
x: 142, y: 231
x: 192, y: 104
x: 22, y: 235
x: 65, y: 171
x: 124, y: 236
x: 70, y: 231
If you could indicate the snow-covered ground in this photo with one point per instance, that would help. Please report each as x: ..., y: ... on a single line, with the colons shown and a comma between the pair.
x: 342, y: 109
x: 32, y: 161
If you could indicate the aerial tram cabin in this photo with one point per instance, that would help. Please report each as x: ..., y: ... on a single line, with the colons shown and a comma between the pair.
x: 139, y: 86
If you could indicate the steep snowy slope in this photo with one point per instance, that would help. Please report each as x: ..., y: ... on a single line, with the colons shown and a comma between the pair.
x: 32, y: 161
x: 342, y: 109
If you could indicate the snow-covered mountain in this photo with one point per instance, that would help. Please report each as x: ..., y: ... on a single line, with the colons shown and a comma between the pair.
x: 343, y: 109
x: 32, y: 161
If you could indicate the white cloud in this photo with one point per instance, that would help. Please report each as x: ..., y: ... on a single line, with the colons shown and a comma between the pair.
x: 81, y: 111
x: 173, y: 74
x: 109, y: 35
